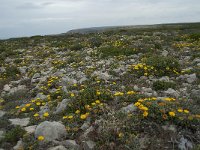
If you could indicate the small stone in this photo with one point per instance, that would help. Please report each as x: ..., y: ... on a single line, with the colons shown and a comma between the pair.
x: 23, y: 69
x: 71, y: 144
x: 19, y: 146
x: 85, y: 126
x: 184, y: 144
x: 35, y: 76
x: 21, y: 122
x: 147, y: 90
x: 172, y: 92
x: 41, y: 96
x: 1, y: 134
x: 165, y: 79
x: 30, y: 129
x: 136, y: 88
x: 170, y: 128
x: 62, y: 106
x: 2, y: 113
x: 128, y: 109
x: 191, y: 78
x: 60, y: 147
x: 86, y: 133
x: 165, y: 53
x: 88, y: 145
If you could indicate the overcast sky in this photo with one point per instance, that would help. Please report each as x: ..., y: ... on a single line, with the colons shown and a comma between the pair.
x: 39, y: 17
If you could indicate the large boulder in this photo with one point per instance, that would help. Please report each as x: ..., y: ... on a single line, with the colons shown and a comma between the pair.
x: 50, y: 130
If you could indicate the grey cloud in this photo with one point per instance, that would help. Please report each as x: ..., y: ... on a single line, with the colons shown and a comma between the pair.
x: 29, y: 17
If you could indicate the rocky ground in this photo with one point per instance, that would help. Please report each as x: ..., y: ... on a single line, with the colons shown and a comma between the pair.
x: 120, y: 89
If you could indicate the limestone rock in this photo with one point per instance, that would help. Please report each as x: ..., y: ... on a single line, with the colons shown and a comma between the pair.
x: 21, y: 122
x: 50, y: 130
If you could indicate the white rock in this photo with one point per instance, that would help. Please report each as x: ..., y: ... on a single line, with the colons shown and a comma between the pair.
x: 2, y: 113
x: 60, y: 147
x: 165, y: 79
x: 62, y: 106
x: 30, y: 129
x: 50, y: 130
x: 128, y: 109
x: 165, y: 53
x: 88, y: 145
x: 21, y: 122
x: 1, y: 134
x: 136, y: 88
x: 172, y: 92
x: 191, y: 78
x: 184, y: 144
x: 19, y: 146
x: 6, y: 88
x: 71, y: 144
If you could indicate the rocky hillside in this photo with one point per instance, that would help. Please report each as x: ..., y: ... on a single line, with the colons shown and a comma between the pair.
x: 122, y: 89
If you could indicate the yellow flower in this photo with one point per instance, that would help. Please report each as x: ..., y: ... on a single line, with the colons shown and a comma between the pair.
x: 23, y: 109
x: 33, y: 101
x: 145, y: 74
x: 186, y: 111
x: 72, y: 94
x: 137, y: 104
x: 46, y: 114
x: 172, y: 114
x: 98, y: 93
x: 97, y: 102
x: 28, y: 105
x: 83, y: 116
x: 120, y: 135
x: 70, y: 117
x: 144, y: 108
x: 31, y: 108
x: 17, y: 107
x: 77, y: 111
x: 88, y: 107
x: 145, y: 113
x: 180, y: 110
x: 38, y: 103
x: 40, y: 138
x: 36, y: 115
x: 65, y: 117
x: 130, y: 93
x: 119, y: 94
x: 93, y: 104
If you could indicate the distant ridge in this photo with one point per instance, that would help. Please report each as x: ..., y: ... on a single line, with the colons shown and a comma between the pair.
x: 105, y: 28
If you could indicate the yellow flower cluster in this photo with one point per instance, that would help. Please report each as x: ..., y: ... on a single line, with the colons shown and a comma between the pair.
x: 142, y: 68
x: 118, y: 94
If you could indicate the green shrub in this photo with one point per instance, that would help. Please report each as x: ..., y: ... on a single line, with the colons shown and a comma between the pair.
x: 77, y: 46
x: 14, y: 134
x: 164, y: 66
x: 95, y: 42
x: 195, y: 36
x: 12, y: 71
x: 116, y: 51
x: 162, y: 85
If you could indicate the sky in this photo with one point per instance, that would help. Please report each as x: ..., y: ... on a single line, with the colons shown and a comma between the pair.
x: 41, y: 17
